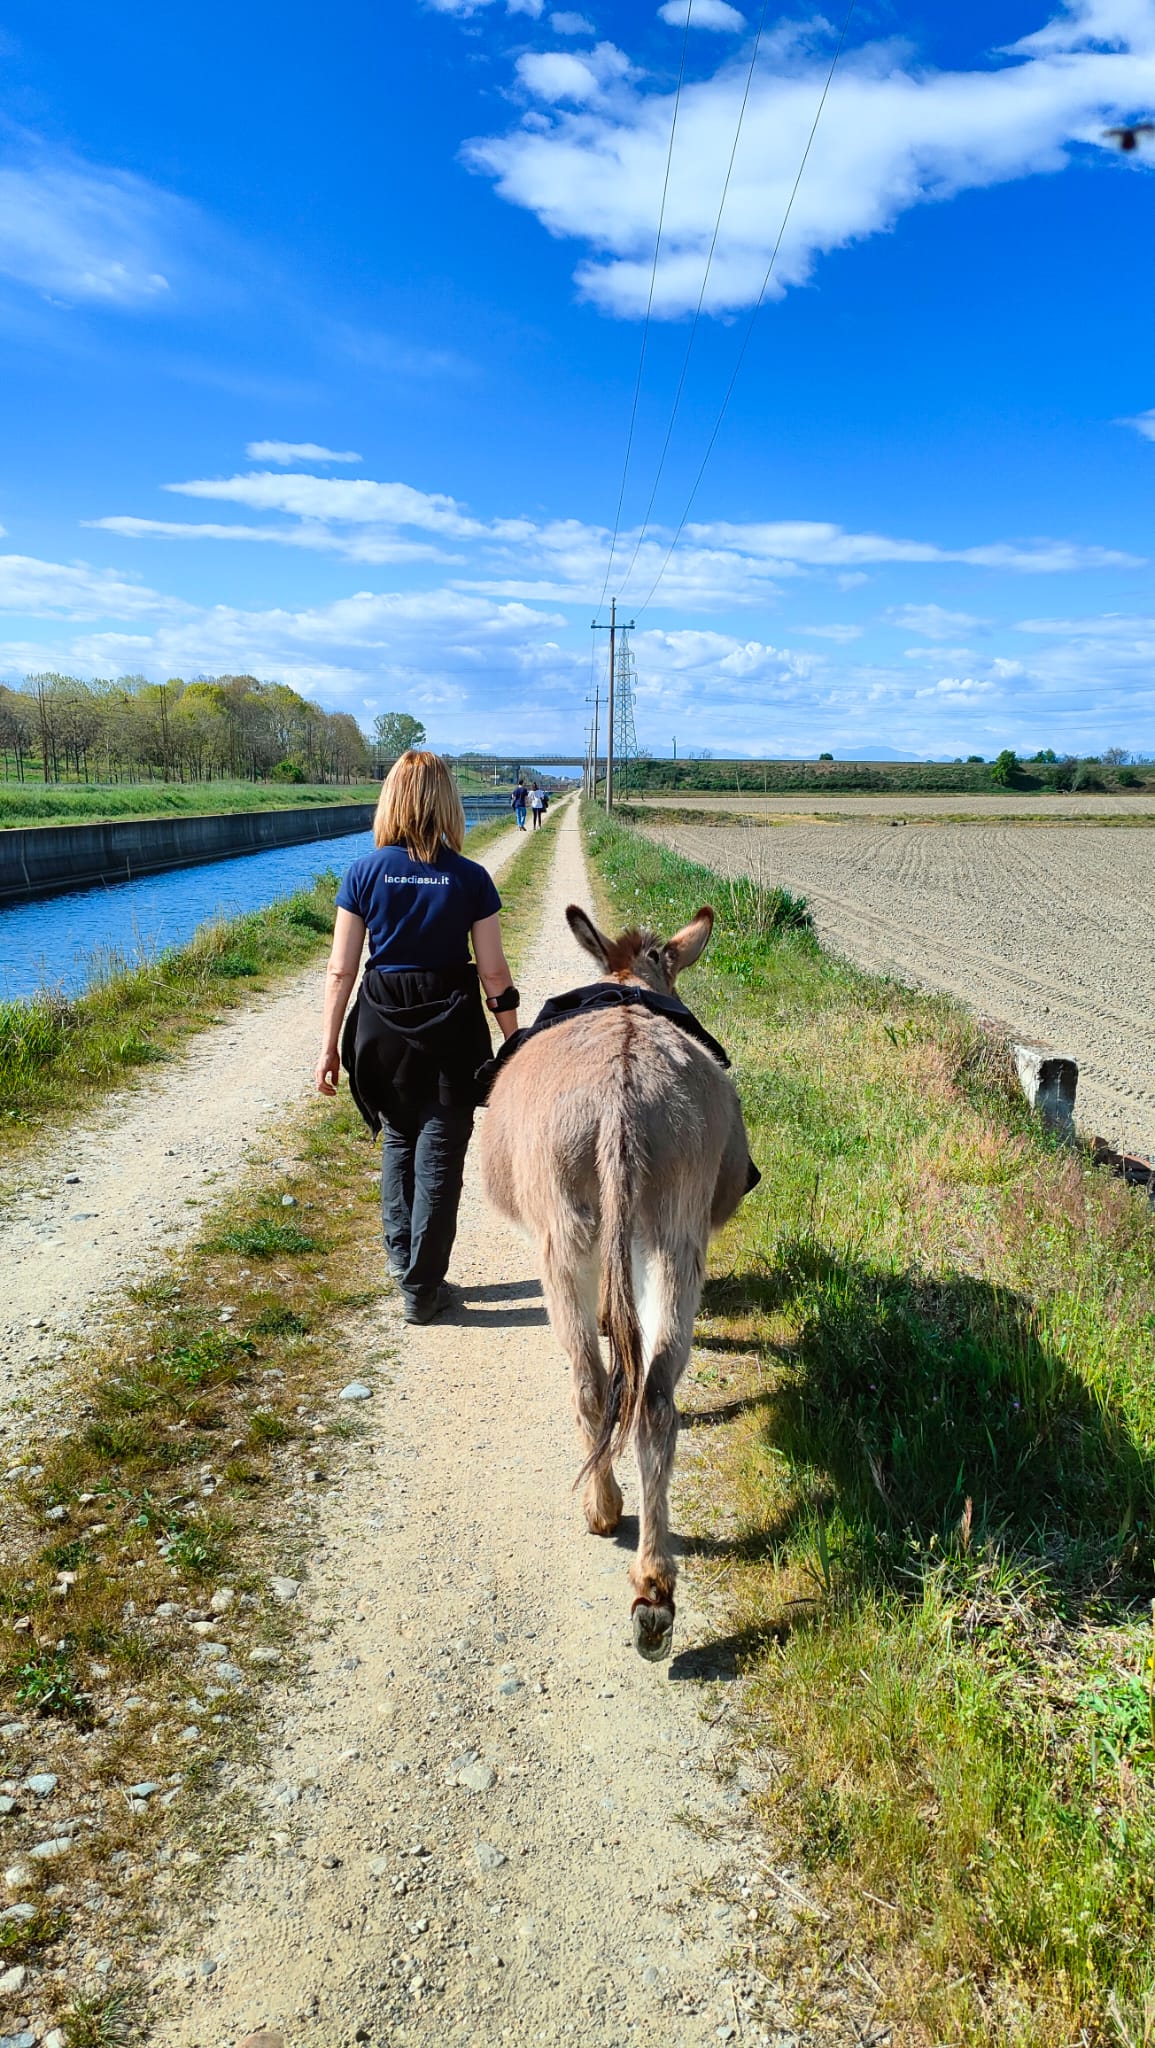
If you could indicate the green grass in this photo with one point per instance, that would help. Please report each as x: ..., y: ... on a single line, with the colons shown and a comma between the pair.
x: 928, y: 1485
x: 56, y: 1052
x: 72, y: 803
x: 64, y: 803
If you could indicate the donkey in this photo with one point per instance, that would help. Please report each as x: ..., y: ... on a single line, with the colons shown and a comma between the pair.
x: 616, y: 1140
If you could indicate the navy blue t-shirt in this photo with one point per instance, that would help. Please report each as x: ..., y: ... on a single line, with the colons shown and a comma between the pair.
x: 418, y: 916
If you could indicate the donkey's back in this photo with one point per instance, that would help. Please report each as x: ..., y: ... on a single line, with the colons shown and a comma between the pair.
x: 617, y: 1141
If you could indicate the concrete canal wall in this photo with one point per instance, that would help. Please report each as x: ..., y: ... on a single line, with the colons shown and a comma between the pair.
x: 43, y: 860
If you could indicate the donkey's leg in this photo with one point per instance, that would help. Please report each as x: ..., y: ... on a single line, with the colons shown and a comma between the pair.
x: 668, y: 1308
x: 570, y: 1284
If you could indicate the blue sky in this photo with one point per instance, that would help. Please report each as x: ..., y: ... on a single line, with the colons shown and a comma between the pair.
x: 319, y: 332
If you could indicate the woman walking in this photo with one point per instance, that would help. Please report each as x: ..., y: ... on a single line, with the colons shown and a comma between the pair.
x: 416, y: 1034
x: 537, y: 804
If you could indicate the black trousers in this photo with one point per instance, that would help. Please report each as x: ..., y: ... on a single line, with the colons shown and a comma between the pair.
x: 422, y: 1163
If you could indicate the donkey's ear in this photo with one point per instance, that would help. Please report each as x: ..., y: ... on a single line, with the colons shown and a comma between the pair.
x: 687, y: 945
x: 587, y: 934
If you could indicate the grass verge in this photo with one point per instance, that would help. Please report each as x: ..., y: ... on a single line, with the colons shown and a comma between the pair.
x: 921, y: 1462
x: 57, y: 1052
x: 151, y: 1553
x: 23, y: 804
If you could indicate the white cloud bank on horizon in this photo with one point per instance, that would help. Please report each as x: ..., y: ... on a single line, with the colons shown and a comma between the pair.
x: 589, y: 157
x: 496, y: 673
x: 498, y: 646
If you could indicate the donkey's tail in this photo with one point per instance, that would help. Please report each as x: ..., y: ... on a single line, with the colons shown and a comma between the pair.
x: 618, y: 1177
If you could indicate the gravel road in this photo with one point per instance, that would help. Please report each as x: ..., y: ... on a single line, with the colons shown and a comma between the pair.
x: 485, y: 1819
x: 1050, y: 928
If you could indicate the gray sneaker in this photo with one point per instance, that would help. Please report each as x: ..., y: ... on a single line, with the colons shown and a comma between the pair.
x: 426, y: 1309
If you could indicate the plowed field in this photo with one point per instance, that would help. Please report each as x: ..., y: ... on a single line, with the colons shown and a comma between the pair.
x: 1048, y: 927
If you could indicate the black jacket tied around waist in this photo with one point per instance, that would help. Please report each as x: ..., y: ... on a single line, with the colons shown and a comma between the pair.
x: 413, y: 1038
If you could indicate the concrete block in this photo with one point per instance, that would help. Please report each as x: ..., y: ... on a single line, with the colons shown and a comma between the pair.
x: 1048, y: 1080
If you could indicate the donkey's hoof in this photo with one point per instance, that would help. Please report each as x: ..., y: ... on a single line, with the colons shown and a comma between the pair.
x: 653, y: 1629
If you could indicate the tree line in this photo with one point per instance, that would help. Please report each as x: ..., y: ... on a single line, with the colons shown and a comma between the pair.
x: 59, y: 729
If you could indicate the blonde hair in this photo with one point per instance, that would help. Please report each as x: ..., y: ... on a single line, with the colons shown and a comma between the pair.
x: 419, y: 808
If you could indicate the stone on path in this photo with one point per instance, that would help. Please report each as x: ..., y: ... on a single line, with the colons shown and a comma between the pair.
x: 356, y: 1391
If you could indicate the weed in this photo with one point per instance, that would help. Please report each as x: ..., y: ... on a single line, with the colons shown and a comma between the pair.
x: 99, y: 2022
x: 269, y: 1429
x: 46, y: 1682
x: 266, y: 1239
x: 199, y: 1547
x: 279, y: 1321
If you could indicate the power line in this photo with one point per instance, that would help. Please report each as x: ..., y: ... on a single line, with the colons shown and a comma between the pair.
x: 649, y: 306
x: 717, y: 427
x: 701, y: 294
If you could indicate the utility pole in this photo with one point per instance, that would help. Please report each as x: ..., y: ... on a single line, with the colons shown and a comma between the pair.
x: 675, y: 747
x: 613, y: 630
x: 594, y: 756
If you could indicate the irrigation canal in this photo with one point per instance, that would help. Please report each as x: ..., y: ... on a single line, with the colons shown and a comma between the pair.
x: 64, y: 941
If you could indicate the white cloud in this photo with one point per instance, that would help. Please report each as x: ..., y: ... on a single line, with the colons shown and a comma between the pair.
x: 932, y: 620
x: 296, y: 451
x: 717, y: 566
x: 705, y: 14
x: 75, y: 591
x: 895, y: 135
x: 566, y: 24
x: 1143, y: 423
x: 555, y: 75
x: 842, y: 635
x: 506, y: 670
x: 73, y: 232
x: 465, y: 8
x: 958, y: 689
x: 320, y: 539
x: 341, y: 499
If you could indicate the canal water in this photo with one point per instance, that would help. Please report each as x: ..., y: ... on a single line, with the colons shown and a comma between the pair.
x: 59, y: 942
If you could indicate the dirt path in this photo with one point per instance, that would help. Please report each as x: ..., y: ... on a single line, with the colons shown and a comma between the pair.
x: 92, y: 1210
x: 485, y: 1819
x: 1050, y: 929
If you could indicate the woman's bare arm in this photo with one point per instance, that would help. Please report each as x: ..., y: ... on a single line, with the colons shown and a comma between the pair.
x: 493, y: 967
x: 340, y: 978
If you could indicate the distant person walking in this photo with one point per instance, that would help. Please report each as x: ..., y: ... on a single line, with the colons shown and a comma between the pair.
x: 416, y: 1034
x: 519, y: 799
x: 537, y: 803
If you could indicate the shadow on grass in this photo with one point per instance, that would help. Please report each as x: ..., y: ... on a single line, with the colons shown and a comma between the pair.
x: 923, y: 1417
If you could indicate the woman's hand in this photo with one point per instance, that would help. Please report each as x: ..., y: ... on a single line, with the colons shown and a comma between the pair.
x: 327, y: 1071
x: 340, y: 978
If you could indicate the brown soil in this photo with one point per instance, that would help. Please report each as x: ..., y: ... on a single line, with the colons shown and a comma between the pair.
x: 1051, y: 930
x: 1139, y: 809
